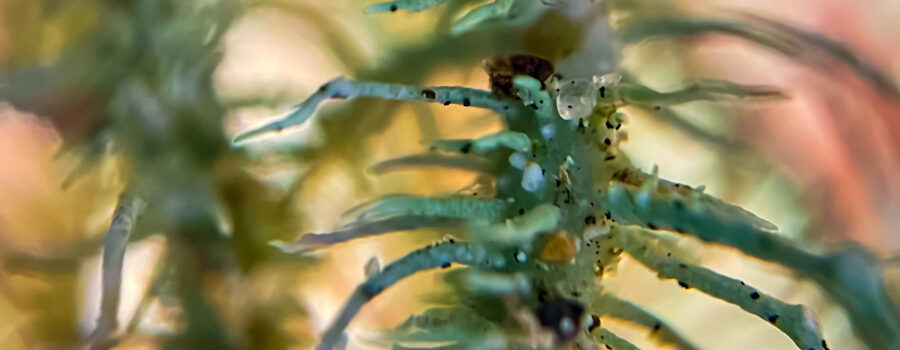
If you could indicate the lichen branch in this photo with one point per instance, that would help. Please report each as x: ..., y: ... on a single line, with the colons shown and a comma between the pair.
x: 794, y: 320
x: 350, y: 89
x: 114, y: 243
x: 609, y: 305
x: 483, y: 256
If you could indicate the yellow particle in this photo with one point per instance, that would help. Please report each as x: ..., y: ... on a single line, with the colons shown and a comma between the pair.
x: 560, y: 248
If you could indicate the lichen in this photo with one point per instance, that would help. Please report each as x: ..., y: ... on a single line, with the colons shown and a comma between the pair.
x: 561, y: 216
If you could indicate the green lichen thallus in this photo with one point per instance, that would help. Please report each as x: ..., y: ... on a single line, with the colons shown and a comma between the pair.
x: 567, y: 204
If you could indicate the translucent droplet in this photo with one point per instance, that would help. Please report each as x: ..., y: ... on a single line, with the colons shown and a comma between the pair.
x: 577, y: 99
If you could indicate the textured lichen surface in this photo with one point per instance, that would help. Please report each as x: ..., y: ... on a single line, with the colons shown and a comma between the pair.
x: 567, y: 203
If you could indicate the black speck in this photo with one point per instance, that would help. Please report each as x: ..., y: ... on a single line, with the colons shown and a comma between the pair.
x: 570, y: 106
x: 825, y: 345
x: 608, y: 347
x: 541, y: 101
x: 590, y: 220
x: 657, y: 107
x: 521, y: 211
x: 428, y: 94
x: 467, y: 102
x: 609, y: 125
x: 683, y: 285
x: 451, y: 240
x: 447, y: 103
x: 533, y: 106
x: 603, y: 91
x: 754, y: 295
x: 466, y: 148
x: 773, y: 319
x: 683, y: 266
x: 657, y: 326
x: 618, y: 126
x: 608, y: 158
x: 505, y: 107
x: 651, y: 226
x: 608, y: 215
x: 393, y: 8
x: 445, y: 265
x: 606, y: 141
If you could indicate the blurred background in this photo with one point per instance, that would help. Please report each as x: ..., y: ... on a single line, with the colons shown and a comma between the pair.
x: 101, y: 95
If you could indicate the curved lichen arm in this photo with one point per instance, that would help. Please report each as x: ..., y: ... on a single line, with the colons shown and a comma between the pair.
x: 695, y: 90
x: 805, y: 46
x: 794, y: 320
x: 350, y: 89
x: 313, y: 241
x: 611, y: 340
x: 492, y: 10
x: 458, y: 326
x: 612, y: 306
x: 515, y: 141
x: 463, y: 207
x: 649, y: 198
x: 443, y: 254
x: 672, y: 27
x: 408, y: 5
x: 850, y: 275
x: 419, y: 161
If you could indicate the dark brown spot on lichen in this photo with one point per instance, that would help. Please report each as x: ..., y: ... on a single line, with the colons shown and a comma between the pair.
x: 501, y: 71
x: 467, y: 102
x: 428, y: 94
x: 595, y: 323
x: 466, y: 148
x: 393, y: 8
x: 773, y: 319
x: 754, y: 295
x: 683, y: 285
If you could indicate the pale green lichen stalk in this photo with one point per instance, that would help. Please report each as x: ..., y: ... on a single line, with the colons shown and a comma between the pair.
x: 563, y: 206
x: 583, y: 190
